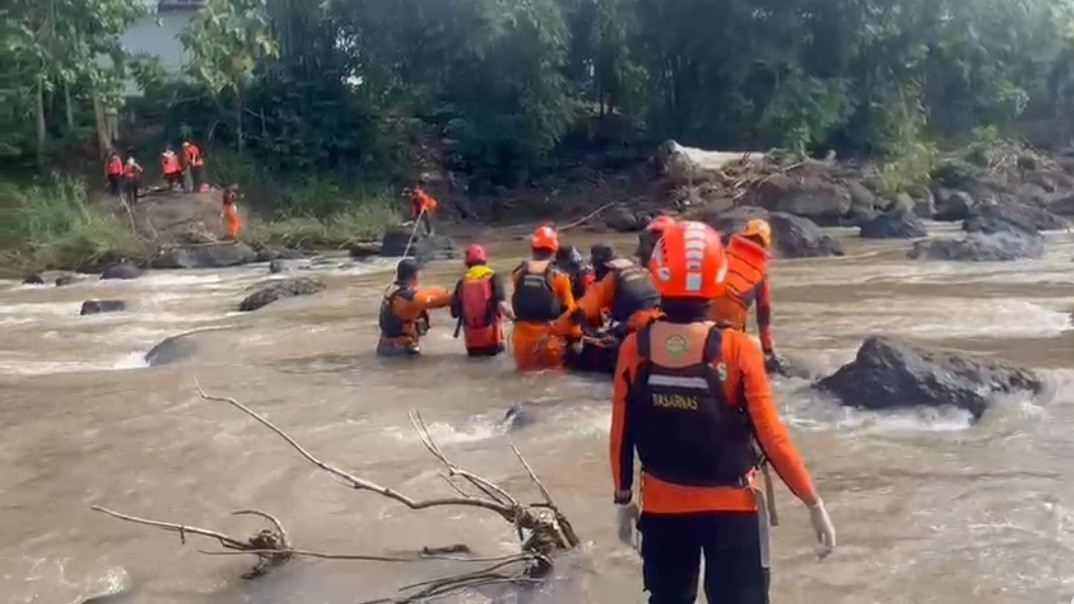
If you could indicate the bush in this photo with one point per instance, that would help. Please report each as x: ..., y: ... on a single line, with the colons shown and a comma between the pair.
x: 361, y: 222
x: 53, y: 227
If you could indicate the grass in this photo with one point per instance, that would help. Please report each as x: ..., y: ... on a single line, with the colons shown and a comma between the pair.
x: 360, y: 222
x: 52, y: 226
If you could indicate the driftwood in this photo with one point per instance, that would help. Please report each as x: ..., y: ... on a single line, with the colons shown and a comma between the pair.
x: 589, y: 216
x: 542, y: 528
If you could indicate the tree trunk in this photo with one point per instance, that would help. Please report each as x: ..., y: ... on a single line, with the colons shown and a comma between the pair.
x: 68, y: 107
x: 104, y: 138
x: 39, y: 118
x: 240, y: 136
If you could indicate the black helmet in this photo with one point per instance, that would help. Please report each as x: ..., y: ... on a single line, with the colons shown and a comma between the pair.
x: 601, y: 253
x: 408, y: 269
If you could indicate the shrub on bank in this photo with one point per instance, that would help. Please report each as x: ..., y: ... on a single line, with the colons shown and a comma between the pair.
x: 363, y: 221
x: 53, y: 226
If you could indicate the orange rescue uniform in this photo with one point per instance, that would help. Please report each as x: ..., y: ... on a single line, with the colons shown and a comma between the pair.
x: 422, y: 201
x: 192, y: 156
x: 541, y: 294
x: 600, y: 298
x: 404, y: 317
x: 169, y: 164
x: 740, y: 366
x: 746, y: 283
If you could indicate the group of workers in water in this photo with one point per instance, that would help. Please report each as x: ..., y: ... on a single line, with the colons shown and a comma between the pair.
x: 691, y: 395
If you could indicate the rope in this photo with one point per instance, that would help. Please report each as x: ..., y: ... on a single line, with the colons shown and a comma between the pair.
x: 410, y: 242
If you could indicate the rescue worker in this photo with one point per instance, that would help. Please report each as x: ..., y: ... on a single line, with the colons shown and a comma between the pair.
x: 570, y: 261
x: 132, y: 178
x: 193, y: 164
x: 625, y: 294
x: 480, y: 305
x: 647, y: 238
x: 113, y: 171
x: 230, y: 212
x: 171, y: 168
x: 422, y: 208
x: 542, y: 293
x: 746, y: 283
x: 404, y: 312
x: 693, y: 400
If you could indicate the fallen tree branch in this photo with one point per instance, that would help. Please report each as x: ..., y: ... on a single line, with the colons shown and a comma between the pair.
x: 588, y: 216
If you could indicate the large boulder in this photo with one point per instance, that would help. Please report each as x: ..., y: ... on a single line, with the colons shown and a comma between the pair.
x: 891, y: 374
x: 953, y: 206
x: 93, y: 307
x: 269, y: 254
x: 813, y: 198
x: 862, y: 200
x: 799, y: 237
x: 980, y: 247
x: 64, y: 280
x: 924, y: 202
x: 622, y: 220
x: 1064, y: 206
x: 277, y: 266
x: 121, y: 270
x: 1032, y: 194
x: 732, y: 221
x: 216, y: 255
x: 1002, y: 218
x: 902, y: 203
x: 299, y: 286
x: 397, y: 242
x: 894, y: 226
x: 34, y: 279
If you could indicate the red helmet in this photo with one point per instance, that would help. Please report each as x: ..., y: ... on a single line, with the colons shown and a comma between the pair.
x: 475, y: 254
x: 545, y: 238
x: 689, y: 262
x: 660, y: 224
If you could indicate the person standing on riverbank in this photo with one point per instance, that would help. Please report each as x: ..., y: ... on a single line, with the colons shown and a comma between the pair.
x: 132, y: 178
x: 747, y: 283
x: 479, y: 303
x: 693, y: 400
x: 171, y: 168
x: 404, y: 312
x: 113, y: 171
x: 542, y: 294
x: 230, y: 213
x: 422, y: 208
x: 193, y: 164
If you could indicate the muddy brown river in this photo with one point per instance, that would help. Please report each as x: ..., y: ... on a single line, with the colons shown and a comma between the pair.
x: 928, y: 508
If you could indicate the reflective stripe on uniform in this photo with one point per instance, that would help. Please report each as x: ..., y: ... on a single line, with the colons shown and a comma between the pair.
x: 677, y: 381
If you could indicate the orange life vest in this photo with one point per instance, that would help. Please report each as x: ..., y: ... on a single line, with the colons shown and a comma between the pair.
x: 131, y: 170
x: 481, y: 323
x: 115, y: 167
x: 192, y: 155
x: 747, y: 268
x: 169, y: 163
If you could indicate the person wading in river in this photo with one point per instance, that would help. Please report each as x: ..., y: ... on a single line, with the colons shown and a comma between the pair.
x: 625, y: 293
x: 480, y: 305
x: 578, y: 269
x: 542, y: 293
x: 746, y: 283
x: 693, y: 400
x: 404, y: 312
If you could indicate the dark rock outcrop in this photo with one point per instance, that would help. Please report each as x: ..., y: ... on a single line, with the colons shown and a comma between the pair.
x: 812, y: 198
x: 1064, y: 206
x: 270, y: 254
x: 217, y: 255
x: 121, y: 270
x: 277, y: 266
x: 953, y: 206
x: 172, y: 350
x: 979, y: 247
x: 732, y: 221
x: 924, y: 202
x: 894, y: 226
x: 1008, y: 217
x: 34, y: 279
x: 862, y: 200
x: 891, y: 374
x: 800, y: 237
x: 364, y: 249
x: 67, y: 280
x: 93, y: 307
x: 622, y: 220
x: 273, y: 291
x: 423, y: 247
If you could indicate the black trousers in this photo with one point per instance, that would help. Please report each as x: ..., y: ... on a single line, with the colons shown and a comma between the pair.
x: 114, y: 181
x: 671, y: 549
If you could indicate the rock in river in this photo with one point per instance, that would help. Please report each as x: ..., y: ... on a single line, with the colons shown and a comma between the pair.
x: 818, y: 200
x: 894, y: 226
x: 67, y: 280
x: 799, y: 237
x: 93, y: 307
x: 1012, y: 216
x: 215, y: 255
x: 121, y: 270
x: 299, y: 286
x: 33, y: 279
x: 891, y: 374
x: 978, y: 247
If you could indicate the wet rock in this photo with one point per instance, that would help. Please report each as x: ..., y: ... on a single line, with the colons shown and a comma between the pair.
x: 519, y: 416
x: 34, y: 279
x: 862, y: 200
x: 364, y: 249
x: 1010, y: 217
x: 622, y: 220
x: 271, y: 292
x: 732, y: 221
x: 172, y: 350
x: 121, y: 270
x: 276, y: 266
x: 953, y: 206
x: 1064, y: 206
x: 902, y: 203
x: 891, y: 374
x: 924, y: 203
x: 1032, y: 194
x: 67, y: 280
x: 980, y: 247
x: 423, y: 247
x: 93, y: 307
x: 812, y: 198
x: 894, y: 226
x: 800, y: 237
x: 270, y: 254
x: 218, y: 255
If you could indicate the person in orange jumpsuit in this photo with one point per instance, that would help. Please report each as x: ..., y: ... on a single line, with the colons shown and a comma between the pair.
x: 171, y: 168
x: 113, y: 170
x: 230, y: 213
x: 542, y: 293
x: 647, y: 239
x: 193, y: 164
x: 480, y: 305
x: 404, y: 312
x: 747, y: 283
x: 692, y: 400
x: 422, y: 208
x: 132, y: 178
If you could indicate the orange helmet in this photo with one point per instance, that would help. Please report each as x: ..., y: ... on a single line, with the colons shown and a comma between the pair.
x: 760, y: 229
x: 545, y: 238
x: 659, y: 224
x: 689, y: 262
